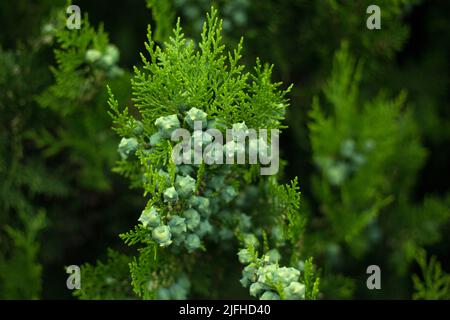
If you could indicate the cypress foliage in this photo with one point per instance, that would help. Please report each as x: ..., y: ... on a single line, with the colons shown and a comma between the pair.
x: 87, y: 175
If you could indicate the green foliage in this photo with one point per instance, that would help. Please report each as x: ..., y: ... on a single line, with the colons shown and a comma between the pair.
x: 311, y: 280
x: 23, y: 20
x: 85, y: 63
x: 416, y: 226
x: 367, y: 154
x: 47, y: 148
x: 373, y: 209
x: 286, y: 206
x: 208, y: 79
x: 278, y: 30
x: 338, y: 285
x: 429, y: 92
x: 23, y: 175
x: 164, y: 16
x: 142, y: 270
x: 435, y: 284
x: 371, y: 161
x: 20, y: 271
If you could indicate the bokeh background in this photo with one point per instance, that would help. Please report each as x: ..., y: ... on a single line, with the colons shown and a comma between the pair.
x: 61, y: 203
